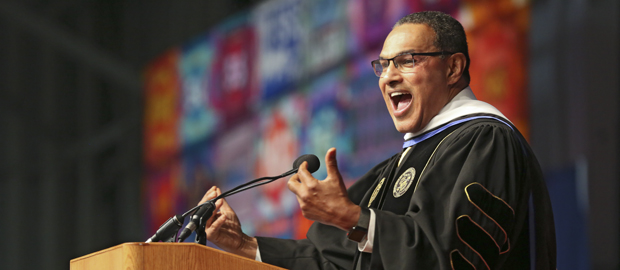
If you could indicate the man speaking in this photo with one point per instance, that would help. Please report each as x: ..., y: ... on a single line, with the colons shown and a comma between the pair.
x: 461, y: 194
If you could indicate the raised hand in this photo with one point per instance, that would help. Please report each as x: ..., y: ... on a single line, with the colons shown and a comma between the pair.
x: 325, y: 201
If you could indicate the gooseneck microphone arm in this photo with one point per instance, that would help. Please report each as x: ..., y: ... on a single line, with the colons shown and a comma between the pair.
x: 254, y: 183
x: 204, y: 211
x: 313, y: 166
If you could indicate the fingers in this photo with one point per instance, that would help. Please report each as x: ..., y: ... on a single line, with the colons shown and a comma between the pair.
x: 211, y: 193
x: 224, y: 206
x: 218, y: 205
x: 304, y: 182
x: 294, y: 183
x: 331, y: 163
x: 215, y: 225
x: 302, y: 172
x: 213, y: 217
x: 304, y: 176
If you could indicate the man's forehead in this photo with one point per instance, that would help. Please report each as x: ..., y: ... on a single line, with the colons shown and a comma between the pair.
x: 408, y: 38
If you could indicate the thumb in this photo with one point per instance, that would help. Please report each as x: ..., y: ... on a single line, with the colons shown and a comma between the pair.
x: 331, y: 163
x: 223, y: 204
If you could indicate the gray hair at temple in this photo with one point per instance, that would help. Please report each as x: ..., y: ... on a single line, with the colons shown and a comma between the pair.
x: 449, y: 33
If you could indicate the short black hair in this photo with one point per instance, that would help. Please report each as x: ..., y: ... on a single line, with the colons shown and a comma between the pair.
x: 449, y: 33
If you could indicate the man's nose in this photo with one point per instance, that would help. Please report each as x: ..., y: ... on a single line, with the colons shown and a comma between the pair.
x: 391, y: 72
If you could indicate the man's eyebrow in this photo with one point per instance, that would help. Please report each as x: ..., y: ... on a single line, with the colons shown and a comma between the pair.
x: 399, y: 54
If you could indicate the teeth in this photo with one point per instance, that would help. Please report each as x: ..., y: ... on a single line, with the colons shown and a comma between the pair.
x: 396, y: 94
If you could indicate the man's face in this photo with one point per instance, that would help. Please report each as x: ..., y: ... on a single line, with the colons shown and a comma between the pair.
x: 414, y: 98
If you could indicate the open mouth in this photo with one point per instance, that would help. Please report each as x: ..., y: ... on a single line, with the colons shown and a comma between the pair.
x: 400, y: 101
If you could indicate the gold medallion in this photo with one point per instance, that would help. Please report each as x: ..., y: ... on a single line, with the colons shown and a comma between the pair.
x: 375, y: 192
x: 404, y: 182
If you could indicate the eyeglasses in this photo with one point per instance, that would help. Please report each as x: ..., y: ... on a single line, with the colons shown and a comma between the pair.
x: 404, y: 62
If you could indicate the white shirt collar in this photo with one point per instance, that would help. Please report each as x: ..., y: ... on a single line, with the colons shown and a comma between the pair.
x: 464, y: 103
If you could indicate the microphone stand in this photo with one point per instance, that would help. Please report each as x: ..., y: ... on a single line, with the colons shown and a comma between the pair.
x: 201, y: 234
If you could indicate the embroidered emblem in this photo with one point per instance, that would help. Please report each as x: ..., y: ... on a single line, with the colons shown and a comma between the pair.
x: 374, y: 193
x: 404, y: 182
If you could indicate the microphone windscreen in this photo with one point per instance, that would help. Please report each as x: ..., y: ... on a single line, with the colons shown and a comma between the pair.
x: 313, y: 162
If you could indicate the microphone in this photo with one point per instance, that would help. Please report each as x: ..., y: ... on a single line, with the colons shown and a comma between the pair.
x: 205, y: 210
x: 313, y: 162
x: 200, y: 216
x: 168, y: 230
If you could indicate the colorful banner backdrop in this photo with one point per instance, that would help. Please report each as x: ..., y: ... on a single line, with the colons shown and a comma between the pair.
x: 292, y: 77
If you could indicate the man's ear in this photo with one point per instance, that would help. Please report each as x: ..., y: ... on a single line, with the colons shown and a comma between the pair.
x: 456, y: 67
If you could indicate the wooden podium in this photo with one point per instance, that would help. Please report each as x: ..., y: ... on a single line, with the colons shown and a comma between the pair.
x: 154, y: 256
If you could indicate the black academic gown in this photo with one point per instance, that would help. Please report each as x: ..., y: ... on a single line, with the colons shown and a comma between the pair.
x: 462, y: 201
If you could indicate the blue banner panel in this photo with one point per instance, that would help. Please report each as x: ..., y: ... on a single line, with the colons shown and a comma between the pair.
x: 280, y: 40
